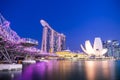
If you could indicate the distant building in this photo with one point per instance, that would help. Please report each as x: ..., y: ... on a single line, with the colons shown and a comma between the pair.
x: 113, y: 47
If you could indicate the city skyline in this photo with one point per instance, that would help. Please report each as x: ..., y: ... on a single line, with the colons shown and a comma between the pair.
x: 78, y: 20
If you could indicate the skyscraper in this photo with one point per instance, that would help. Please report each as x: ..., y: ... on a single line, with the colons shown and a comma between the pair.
x: 113, y: 47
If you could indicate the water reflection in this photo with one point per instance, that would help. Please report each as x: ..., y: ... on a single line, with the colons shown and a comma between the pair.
x: 53, y: 70
x: 67, y: 70
x: 9, y: 75
x: 90, y: 69
x: 100, y: 70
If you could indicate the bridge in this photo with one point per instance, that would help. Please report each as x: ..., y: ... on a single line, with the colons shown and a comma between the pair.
x: 12, y: 45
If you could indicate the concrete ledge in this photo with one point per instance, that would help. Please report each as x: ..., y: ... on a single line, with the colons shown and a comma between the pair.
x: 42, y: 60
x: 28, y: 61
x: 10, y: 66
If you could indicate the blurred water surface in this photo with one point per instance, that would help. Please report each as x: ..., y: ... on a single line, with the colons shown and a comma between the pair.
x: 66, y: 70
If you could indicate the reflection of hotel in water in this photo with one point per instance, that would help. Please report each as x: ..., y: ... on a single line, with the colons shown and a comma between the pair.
x: 65, y: 67
x: 100, y: 68
x: 66, y: 70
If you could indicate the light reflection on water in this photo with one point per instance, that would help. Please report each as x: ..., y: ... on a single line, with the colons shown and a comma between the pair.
x: 103, y: 70
x: 69, y: 70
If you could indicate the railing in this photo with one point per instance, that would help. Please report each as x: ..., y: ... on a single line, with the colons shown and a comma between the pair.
x: 29, y: 40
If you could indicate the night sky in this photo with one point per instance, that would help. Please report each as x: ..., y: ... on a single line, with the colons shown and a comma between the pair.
x: 79, y: 20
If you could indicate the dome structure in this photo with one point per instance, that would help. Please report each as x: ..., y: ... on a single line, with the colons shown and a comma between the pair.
x: 96, y: 49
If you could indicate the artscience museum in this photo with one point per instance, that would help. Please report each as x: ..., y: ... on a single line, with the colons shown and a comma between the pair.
x: 96, y: 49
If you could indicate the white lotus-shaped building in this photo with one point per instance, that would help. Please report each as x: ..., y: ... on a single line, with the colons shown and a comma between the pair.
x: 96, y: 49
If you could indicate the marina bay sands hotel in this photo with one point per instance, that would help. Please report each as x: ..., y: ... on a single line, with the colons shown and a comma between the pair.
x: 52, y: 41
